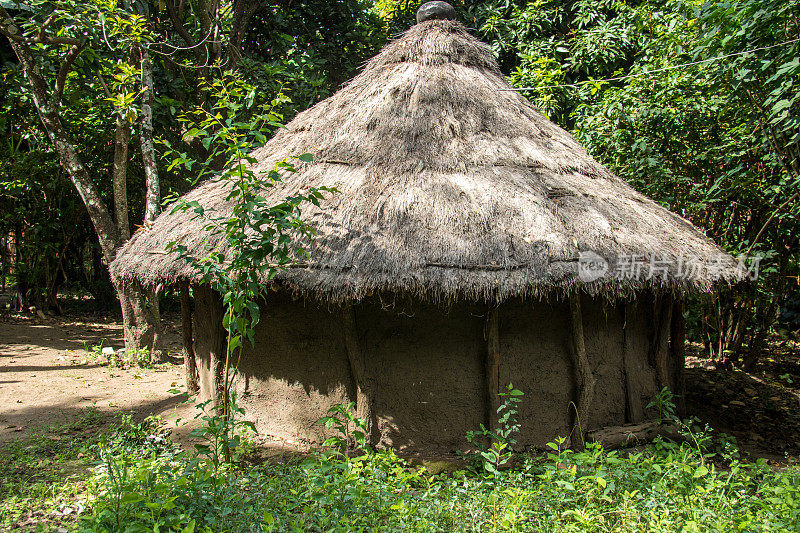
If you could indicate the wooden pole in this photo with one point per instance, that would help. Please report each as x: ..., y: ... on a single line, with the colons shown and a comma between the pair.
x: 209, y: 320
x: 363, y: 382
x: 633, y: 398
x: 661, y: 344
x: 493, y: 366
x: 583, y: 371
x: 189, y: 362
x: 679, y: 354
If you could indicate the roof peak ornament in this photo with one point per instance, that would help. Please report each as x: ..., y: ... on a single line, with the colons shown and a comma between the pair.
x: 435, y: 11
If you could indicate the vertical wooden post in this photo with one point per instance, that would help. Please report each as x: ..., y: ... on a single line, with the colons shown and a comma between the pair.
x: 679, y: 354
x: 493, y: 366
x: 215, y: 341
x: 189, y: 362
x: 583, y: 371
x: 361, y: 378
x: 661, y: 344
x: 633, y: 397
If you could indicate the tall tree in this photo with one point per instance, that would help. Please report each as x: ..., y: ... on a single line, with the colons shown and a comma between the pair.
x: 49, y: 42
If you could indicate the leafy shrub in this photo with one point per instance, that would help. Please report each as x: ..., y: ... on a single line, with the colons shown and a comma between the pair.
x: 152, y: 485
x: 501, y: 441
x: 352, y: 431
x: 223, y: 436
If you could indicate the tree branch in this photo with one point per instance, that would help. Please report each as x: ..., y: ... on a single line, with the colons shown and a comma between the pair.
x: 45, y: 24
x: 177, y: 23
x: 241, y: 17
x: 63, y: 72
x: 22, y: 48
x: 47, y: 40
x: 771, y: 216
x: 103, y: 84
x: 13, y: 33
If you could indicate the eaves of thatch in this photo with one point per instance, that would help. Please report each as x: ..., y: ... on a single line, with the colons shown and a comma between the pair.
x: 449, y: 187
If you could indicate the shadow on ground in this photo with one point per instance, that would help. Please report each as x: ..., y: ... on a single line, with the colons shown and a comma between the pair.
x: 764, y: 417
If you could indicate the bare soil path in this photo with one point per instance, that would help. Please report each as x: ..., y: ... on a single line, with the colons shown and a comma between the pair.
x: 48, y: 375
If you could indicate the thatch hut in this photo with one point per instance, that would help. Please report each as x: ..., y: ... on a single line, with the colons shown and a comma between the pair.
x: 473, y: 243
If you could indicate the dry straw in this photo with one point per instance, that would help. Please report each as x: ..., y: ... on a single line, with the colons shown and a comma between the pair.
x: 449, y: 188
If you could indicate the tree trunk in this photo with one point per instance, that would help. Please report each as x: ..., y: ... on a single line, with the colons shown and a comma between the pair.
x: 69, y: 159
x: 153, y: 195
x: 140, y: 324
x: 119, y: 175
x: 189, y: 361
x: 140, y: 330
x: 50, y: 303
x: 152, y: 184
x: 19, y: 301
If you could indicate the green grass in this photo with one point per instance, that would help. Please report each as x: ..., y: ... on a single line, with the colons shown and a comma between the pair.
x: 43, y: 476
x: 143, y: 482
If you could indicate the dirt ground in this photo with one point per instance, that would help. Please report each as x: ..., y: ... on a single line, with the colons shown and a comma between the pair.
x: 49, y: 376
x: 760, y: 408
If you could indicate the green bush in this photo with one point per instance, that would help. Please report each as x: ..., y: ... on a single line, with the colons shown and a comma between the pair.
x: 145, y: 483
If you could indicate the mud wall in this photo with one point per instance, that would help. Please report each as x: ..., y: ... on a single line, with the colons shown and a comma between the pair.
x: 297, y: 369
x: 428, y: 364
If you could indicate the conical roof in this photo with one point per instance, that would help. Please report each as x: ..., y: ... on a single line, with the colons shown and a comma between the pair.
x: 450, y: 187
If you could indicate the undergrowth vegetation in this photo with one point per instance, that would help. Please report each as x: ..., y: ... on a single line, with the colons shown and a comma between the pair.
x: 142, y: 481
x: 42, y: 477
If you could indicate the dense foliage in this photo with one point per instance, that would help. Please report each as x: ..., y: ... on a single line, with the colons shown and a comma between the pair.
x: 714, y: 141
x: 303, y: 53
x: 144, y: 482
x: 45, y: 240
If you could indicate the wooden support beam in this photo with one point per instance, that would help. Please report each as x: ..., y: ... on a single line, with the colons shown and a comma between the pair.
x: 660, y: 352
x: 364, y: 384
x: 583, y: 372
x: 213, y: 349
x: 189, y: 362
x: 492, y: 367
x: 679, y: 354
x: 633, y: 396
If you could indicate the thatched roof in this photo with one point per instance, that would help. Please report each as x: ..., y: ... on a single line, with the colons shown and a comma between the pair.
x: 449, y: 187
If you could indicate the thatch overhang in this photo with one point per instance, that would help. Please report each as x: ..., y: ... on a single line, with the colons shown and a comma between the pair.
x: 450, y: 187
